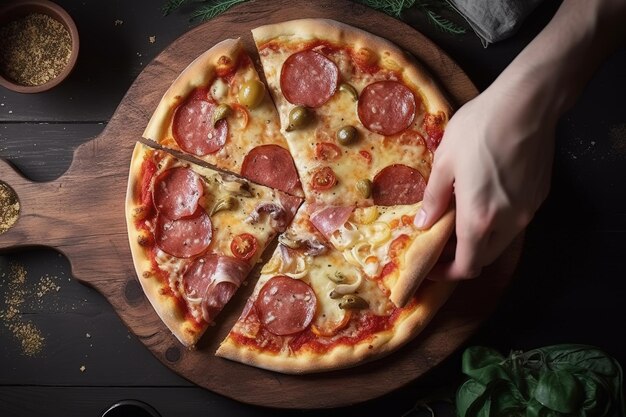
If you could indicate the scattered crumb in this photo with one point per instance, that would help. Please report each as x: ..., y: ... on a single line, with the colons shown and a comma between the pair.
x: 82, y: 368
x: 87, y: 335
x: 118, y: 22
x: 13, y: 314
x: 10, y: 111
x: 152, y: 39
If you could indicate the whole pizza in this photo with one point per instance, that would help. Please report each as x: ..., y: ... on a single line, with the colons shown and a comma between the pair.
x: 322, y: 161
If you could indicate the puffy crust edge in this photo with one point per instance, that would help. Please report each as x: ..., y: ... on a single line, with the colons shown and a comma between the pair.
x: 198, y: 73
x: 166, y: 308
x: 407, y: 327
x: 424, y: 253
x: 412, y: 72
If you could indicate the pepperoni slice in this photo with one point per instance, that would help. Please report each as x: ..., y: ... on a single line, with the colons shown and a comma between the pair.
x: 271, y: 165
x: 386, y: 107
x: 176, y: 192
x: 286, y: 305
x: 193, y: 125
x: 308, y: 79
x: 398, y: 184
x: 184, y: 238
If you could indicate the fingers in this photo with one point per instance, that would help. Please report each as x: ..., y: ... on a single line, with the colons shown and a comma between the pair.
x: 436, y: 197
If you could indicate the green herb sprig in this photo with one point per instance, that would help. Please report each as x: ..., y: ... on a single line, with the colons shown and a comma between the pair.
x: 432, y: 9
x: 554, y: 381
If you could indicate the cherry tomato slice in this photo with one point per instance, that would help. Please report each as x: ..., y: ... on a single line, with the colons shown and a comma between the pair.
x: 367, y: 156
x: 327, y: 151
x: 323, y: 179
x: 244, y: 246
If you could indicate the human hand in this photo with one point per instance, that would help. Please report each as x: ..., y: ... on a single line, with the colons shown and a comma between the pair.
x: 495, y: 160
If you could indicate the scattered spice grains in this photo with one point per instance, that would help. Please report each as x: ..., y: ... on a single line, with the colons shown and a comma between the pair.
x: 17, y: 292
x: 27, y: 333
x: 34, y: 49
x: 9, y: 208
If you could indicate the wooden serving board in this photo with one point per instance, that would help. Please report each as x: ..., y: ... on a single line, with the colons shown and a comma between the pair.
x: 81, y: 214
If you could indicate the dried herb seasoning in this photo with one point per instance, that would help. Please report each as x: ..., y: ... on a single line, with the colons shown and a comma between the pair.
x: 34, y: 49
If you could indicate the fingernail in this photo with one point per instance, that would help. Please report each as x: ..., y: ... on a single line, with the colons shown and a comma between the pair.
x: 420, y: 219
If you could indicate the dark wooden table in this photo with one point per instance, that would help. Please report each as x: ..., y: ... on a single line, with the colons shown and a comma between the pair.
x: 569, y: 286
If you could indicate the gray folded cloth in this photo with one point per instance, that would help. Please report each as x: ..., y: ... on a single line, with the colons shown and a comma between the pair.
x: 494, y: 20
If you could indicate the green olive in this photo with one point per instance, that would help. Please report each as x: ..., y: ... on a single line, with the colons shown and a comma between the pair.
x: 251, y: 93
x: 227, y: 203
x: 299, y: 117
x: 353, y: 302
x: 221, y: 112
x: 348, y: 88
x: 364, y: 187
x: 347, y: 135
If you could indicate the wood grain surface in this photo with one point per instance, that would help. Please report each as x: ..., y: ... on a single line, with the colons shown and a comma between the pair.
x: 82, y: 215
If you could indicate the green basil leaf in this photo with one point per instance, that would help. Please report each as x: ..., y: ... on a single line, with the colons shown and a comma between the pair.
x: 598, y: 401
x: 507, y: 401
x: 467, y: 394
x: 577, y: 357
x: 559, y: 391
x: 484, y: 365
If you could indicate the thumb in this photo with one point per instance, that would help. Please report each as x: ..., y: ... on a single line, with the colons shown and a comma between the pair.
x: 437, y: 197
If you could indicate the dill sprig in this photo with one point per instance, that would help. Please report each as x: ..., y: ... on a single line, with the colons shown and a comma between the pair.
x: 214, y: 8
x: 436, y: 11
x: 391, y: 7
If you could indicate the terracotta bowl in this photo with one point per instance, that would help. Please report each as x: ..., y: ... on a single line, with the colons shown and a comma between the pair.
x: 18, y: 9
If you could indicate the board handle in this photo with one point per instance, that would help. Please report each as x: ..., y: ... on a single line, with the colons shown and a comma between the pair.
x: 40, y: 221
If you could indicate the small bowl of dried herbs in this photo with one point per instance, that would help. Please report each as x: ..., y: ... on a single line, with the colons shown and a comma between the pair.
x: 38, y: 45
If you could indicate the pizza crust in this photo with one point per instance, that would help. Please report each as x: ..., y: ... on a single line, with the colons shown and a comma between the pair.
x: 339, y: 33
x: 424, y: 253
x: 165, y: 306
x: 407, y: 327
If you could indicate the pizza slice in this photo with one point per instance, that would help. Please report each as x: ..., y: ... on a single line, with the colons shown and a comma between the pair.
x: 362, y: 119
x: 217, y: 110
x: 195, y: 234
x: 325, y: 300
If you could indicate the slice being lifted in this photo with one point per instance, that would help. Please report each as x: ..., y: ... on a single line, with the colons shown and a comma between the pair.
x: 324, y: 300
x: 217, y: 110
x: 195, y: 234
x: 362, y: 119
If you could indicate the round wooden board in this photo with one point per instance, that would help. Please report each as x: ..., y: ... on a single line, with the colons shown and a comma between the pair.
x: 82, y: 215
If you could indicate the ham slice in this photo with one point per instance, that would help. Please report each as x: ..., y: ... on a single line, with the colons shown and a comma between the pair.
x: 212, y: 280
x: 329, y: 219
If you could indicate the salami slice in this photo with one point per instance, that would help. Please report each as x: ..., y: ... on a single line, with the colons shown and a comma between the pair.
x: 286, y: 305
x: 214, y: 279
x: 308, y: 79
x: 184, y: 238
x: 398, y: 184
x: 176, y: 192
x: 193, y: 125
x: 386, y: 107
x: 330, y: 219
x: 271, y: 165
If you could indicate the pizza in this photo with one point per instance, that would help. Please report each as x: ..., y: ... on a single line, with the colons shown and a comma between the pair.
x: 322, y: 301
x: 195, y: 234
x: 217, y: 110
x: 329, y: 161
x: 362, y: 120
